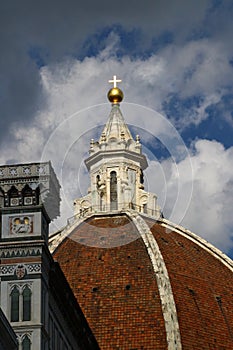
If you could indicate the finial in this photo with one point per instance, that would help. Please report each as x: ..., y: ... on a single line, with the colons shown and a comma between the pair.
x: 115, y: 95
x: 115, y: 81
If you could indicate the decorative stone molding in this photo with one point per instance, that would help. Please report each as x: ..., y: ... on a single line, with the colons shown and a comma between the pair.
x: 9, y: 270
x: 20, y: 252
x: 21, y: 335
x: 163, y: 282
x: 38, y: 176
x: 20, y: 285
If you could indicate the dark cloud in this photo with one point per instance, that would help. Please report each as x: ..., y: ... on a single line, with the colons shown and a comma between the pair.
x: 33, y: 34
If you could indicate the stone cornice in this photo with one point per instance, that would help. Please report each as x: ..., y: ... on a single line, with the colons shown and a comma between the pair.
x: 163, y: 282
x: 116, y: 153
x: 21, y: 249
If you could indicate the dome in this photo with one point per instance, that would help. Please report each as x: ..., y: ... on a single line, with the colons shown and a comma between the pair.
x: 147, y: 284
x: 142, y: 282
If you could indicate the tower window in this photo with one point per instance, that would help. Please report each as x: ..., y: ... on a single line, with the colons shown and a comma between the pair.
x: 20, y: 301
x: 27, y: 304
x: 26, y: 344
x: 113, y: 190
x: 15, y: 304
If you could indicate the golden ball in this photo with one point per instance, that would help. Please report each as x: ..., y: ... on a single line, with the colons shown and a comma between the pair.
x: 115, y: 95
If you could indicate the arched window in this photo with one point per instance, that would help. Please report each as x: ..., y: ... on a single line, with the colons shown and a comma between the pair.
x: 26, y: 344
x: 113, y: 190
x: 13, y: 196
x: 15, y: 304
x: 27, y: 304
x: 27, y: 191
x: 20, y: 302
x: 27, y: 195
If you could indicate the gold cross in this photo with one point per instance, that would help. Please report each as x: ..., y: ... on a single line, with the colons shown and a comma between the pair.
x: 115, y: 81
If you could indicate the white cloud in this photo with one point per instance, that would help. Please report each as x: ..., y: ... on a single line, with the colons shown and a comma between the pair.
x: 76, y: 105
x: 209, y: 213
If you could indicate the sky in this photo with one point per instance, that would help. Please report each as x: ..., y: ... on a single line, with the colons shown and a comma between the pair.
x: 175, y: 59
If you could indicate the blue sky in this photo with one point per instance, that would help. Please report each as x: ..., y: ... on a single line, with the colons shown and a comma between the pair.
x: 175, y: 60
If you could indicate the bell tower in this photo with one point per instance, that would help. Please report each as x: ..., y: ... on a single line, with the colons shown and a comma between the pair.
x: 116, y: 164
x: 29, y: 200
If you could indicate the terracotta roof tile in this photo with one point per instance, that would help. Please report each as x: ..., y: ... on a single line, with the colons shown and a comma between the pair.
x: 118, y: 293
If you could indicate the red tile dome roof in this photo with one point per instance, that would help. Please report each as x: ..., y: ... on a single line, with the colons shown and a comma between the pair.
x: 144, y: 284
